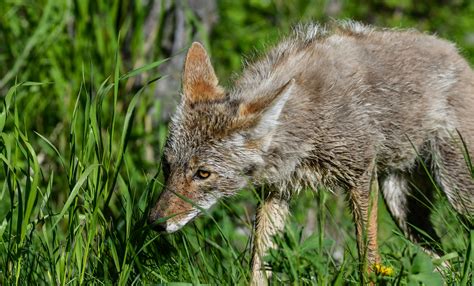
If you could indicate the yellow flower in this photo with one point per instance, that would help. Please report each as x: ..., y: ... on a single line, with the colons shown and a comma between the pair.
x: 383, y: 270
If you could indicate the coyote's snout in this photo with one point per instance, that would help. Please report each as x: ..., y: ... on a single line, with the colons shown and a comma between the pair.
x: 353, y: 108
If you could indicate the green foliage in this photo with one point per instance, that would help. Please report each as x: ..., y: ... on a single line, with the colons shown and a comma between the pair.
x: 78, y: 153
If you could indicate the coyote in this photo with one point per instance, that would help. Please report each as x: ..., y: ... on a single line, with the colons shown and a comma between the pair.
x: 348, y: 107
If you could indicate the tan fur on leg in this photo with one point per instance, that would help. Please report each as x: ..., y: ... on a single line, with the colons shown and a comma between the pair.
x: 270, y: 221
x: 364, y: 203
x: 372, y: 246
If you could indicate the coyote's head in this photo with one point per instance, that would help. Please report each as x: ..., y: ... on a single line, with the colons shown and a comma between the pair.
x: 217, y: 141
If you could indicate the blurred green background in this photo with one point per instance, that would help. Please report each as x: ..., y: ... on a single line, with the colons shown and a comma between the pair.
x: 86, y: 98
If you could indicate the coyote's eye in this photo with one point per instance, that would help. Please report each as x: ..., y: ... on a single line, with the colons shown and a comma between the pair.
x: 202, y: 174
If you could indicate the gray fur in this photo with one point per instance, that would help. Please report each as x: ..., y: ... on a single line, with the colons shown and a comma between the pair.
x: 359, y: 100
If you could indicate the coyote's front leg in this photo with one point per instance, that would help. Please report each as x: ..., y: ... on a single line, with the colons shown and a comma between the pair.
x: 364, y: 199
x: 270, y: 220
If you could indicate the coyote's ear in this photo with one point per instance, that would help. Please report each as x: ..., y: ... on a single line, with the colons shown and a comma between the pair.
x: 199, y: 79
x: 268, y: 110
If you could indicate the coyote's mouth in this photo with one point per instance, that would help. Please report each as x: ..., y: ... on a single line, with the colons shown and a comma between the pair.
x: 176, y: 223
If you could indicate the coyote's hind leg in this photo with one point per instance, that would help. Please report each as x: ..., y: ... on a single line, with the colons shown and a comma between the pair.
x: 409, y: 199
x: 455, y: 177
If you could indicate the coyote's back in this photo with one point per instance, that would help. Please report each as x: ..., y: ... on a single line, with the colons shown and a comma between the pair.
x: 345, y: 108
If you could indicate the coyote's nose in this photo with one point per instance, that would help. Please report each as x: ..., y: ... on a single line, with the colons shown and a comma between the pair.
x: 152, y: 221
